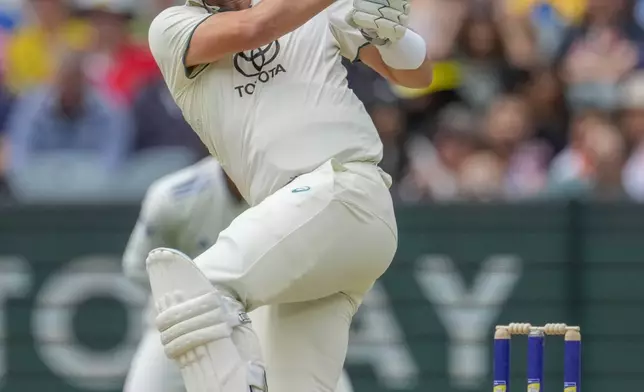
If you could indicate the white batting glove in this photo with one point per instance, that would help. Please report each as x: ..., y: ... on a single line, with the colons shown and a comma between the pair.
x: 380, y: 21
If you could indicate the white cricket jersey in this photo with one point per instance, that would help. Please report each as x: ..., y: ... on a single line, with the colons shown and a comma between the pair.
x: 185, y: 210
x: 274, y: 113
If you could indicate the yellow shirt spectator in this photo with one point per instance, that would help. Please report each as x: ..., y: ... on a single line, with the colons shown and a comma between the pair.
x: 32, y: 53
x: 572, y: 10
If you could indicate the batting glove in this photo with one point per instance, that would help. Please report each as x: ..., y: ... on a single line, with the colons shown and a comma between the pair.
x: 380, y: 21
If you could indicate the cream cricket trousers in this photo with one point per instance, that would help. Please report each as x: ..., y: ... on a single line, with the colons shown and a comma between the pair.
x: 311, y: 251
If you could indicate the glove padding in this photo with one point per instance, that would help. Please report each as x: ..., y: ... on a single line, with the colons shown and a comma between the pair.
x: 380, y: 21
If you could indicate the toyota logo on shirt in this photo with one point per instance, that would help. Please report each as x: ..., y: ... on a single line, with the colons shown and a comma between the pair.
x: 258, y: 64
x: 253, y: 62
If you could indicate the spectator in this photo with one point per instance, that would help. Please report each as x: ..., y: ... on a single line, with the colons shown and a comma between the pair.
x: 573, y: 162
x: 32, y: 51
x: 483, y: 62
x: 550, y: 19
x: 520, y: 42
x: 117, y: 65
x: 609, y: 153
x: 509, y: 130
x: 598, y: 53
x: 439, y: 22
x: 69, y: 115
x: 632, y: 124
x: 159, y: 122
x: 6, y: 101
x: 432, y: 173
x: 481, y: 177
x: 604, y: 150
x: 545, y: 97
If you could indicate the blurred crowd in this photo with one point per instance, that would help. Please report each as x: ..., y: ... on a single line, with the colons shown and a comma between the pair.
x: 85, y: 114
x: 531, y: 99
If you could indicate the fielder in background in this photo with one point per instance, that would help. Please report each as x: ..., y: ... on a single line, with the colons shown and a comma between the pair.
x: 262, y: 84
x: 186, y: 211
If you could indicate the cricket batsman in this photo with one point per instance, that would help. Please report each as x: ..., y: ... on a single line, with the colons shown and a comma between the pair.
x: 262, y: 84
x: 185, y: 210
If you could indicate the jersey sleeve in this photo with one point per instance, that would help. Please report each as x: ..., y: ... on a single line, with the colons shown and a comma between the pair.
x: 152, y: 230
x: 349, y: 39
x: 169, y: 37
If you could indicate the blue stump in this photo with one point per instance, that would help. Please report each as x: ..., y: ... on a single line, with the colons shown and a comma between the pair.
x: 536, y: 344
x: 572, y: 362
x: 501, y: 360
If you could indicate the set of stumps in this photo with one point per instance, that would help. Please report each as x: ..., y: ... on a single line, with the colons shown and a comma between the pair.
x: 535, y: 362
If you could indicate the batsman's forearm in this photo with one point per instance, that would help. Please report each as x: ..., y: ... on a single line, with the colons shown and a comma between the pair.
x: 276, y: 18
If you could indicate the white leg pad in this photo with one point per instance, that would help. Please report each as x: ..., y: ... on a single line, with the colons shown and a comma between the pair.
x: 198, y: 327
